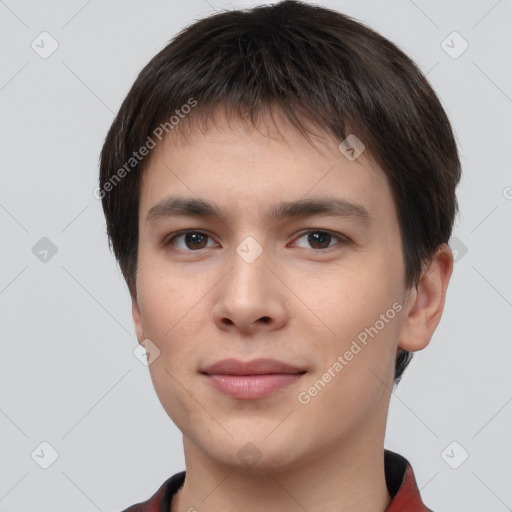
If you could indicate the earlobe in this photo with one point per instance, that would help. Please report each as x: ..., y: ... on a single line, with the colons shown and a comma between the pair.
x: 425, y: 302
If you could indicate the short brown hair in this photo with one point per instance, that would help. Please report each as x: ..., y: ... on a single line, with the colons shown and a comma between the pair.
x: 321, y: 68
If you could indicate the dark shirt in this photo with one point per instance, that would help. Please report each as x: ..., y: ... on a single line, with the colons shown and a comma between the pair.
x: 400, y: 480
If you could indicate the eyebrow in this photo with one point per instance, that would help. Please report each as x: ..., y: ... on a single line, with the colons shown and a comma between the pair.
x: 193, y: 207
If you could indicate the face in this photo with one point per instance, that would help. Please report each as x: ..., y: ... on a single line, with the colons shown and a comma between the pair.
x: 321, y: 291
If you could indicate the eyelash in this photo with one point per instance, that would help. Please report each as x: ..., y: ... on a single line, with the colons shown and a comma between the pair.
x: 343, y: 240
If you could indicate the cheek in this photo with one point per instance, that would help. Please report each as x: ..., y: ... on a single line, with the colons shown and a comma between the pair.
x: 348, y: 301
x: 361, y: 317
x: 166, y: 297
x: 176, y: 314
x: 170, y: 317
x: 355, y: 362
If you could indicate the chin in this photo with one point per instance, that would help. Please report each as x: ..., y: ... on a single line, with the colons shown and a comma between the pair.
x: 255, y: 452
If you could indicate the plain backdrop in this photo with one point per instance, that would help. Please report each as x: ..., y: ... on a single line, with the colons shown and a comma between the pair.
x: 74, y: 396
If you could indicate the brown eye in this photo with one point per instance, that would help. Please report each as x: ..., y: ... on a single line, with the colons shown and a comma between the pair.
x: 193, y: 240
x: 319, y: 239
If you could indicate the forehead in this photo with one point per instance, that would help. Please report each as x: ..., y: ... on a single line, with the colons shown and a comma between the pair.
x: 249, y: 167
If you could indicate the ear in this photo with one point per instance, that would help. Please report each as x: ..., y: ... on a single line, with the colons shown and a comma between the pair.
x: 137, y: 319
x: 425, y: 302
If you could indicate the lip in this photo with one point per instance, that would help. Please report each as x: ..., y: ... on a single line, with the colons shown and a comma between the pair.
x: 251, y: 380
x: 254, y: 367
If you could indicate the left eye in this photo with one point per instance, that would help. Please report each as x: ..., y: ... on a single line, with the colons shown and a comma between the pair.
x: 321, y: 239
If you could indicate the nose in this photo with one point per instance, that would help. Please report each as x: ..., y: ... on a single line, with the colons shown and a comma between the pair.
x: 251, y: 296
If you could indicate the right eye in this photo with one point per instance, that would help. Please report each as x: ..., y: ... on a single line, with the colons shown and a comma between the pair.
x: 193, y: 240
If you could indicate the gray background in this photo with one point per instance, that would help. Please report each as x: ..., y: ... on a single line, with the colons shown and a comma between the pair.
x: 68, y: 373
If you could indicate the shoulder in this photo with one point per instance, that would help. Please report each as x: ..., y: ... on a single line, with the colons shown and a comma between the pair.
x: 161, y: 500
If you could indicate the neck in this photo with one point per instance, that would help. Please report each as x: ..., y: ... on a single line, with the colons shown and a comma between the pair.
x: 349, y: 478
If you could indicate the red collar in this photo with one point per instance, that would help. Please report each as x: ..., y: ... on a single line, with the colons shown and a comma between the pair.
x: 402, y: 485
x: 400, y: 481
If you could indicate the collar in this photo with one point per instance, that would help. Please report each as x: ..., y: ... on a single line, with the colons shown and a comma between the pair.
x: 400, y: 480
x: 401, y: 483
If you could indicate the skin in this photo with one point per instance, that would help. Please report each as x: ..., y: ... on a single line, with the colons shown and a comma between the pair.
x: 201, y: 302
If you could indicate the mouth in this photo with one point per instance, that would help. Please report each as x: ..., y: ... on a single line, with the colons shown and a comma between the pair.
x: 254, y: 367
x: 256, y: 379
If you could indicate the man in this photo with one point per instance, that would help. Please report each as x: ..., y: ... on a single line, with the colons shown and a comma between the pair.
x: 279, y: 190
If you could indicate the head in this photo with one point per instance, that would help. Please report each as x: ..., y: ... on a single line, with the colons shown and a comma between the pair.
x: 245, y: 110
